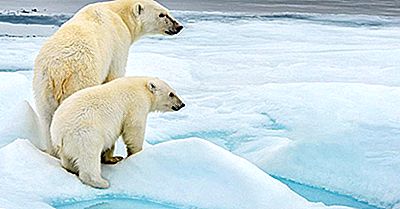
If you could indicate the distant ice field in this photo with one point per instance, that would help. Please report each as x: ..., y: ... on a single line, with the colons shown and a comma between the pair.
x: 310, y: 98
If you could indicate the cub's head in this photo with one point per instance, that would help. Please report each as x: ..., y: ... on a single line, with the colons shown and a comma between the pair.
x: 165, y: 98
x: 155, y: 19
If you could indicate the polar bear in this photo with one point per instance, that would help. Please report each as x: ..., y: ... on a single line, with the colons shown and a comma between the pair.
x: 91, y: 49
x: 87, y: 124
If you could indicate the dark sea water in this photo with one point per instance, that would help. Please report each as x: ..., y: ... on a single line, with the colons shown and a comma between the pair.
x: 366, y: 7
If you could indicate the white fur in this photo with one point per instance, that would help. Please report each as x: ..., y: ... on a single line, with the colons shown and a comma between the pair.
x: 89, y: 122
x: 91, y: 49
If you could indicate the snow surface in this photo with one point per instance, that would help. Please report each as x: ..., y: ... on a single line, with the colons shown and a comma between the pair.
x: 187, y: 173
x: 310, y: 98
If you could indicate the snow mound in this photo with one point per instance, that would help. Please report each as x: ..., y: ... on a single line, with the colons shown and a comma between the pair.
x: 21, y: 120
x: 189, y: 173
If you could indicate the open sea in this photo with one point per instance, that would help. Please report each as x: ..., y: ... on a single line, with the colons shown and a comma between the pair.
x: 366, y: 7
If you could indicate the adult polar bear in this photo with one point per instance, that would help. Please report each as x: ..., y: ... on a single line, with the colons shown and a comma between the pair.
x: 92, y: 48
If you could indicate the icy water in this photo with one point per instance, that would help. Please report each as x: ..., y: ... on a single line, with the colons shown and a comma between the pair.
x: 113, y: 203
x: 312, y: 194
x: 315, y: 194
x: 369, y: 7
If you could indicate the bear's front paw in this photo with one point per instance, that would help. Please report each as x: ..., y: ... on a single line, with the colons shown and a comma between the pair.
x: 112, y: 160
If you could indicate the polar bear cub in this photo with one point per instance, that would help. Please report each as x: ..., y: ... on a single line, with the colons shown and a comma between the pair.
x: 87, y: 124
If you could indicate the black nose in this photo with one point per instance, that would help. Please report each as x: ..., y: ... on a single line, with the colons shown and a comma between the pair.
x: 182, y: 105
x: 179, y: 28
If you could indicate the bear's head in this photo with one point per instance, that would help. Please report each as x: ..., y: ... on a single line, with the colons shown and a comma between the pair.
x: 165, y: 98
x: 155, y: 19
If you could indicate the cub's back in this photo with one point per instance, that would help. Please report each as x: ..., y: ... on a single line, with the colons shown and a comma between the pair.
x: 94, y: 105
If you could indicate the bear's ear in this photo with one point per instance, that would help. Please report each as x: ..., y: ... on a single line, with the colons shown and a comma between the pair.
x: 138, y: 9
x: 152, y: 86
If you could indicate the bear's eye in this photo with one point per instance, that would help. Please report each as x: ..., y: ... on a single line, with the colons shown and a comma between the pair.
x: 161, y: 15
x: 171, y: 94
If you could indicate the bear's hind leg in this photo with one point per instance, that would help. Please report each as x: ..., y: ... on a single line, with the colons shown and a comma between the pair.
x: 68, y: 165
x: 89, y: 166
x: 46, y: 107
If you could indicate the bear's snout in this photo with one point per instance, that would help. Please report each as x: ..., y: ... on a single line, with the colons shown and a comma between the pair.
x: 179, y: 28
x: 179, y: 107
x: 174, y: 30
x: 175, y: 26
